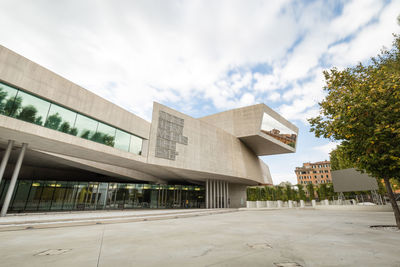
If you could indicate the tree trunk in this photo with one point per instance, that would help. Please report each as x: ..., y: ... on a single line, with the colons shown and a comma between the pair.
x: 393, y: 201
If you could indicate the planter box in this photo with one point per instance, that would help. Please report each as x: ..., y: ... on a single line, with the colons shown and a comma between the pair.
x: 251, y: 204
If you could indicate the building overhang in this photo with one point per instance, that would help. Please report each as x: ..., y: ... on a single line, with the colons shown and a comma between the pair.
x: 259, y: 127
x: 263, y: 145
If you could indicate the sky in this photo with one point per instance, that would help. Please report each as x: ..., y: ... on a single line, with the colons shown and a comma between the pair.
x: 203, y: 57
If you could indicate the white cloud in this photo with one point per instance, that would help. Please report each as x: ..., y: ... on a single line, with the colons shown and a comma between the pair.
x: 172, y: 51
x: 152, y: 50
x: 200, y: 53
x: 274, y: 96
x: 369, y: 40
x: 247, y: 99
x: 267, y: 82
x: 327, y: 148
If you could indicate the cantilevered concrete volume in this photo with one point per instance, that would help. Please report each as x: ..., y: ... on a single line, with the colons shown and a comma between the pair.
x: 83, y: 152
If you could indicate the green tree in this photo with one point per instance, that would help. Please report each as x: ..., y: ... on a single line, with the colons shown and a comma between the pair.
x: 339, y: 160
x: 295, y: 195
x: 330, y: 191
x: 270, y: 192
x: 289, y: 193
x: 263, y: 194
x: 53, y: 121
x: 108, y: 140
x: 28, y: 113
x: 97, y: 137
x: 251, y: 195
x: 302, y: 194
x: 3, y: 96
x: 310, y: 190
x: 65, y: 127
x: 322, y: 192
x: 73, y: 131
x: 85, y: 134
x: 273, y: 193
x: 279, y: 193
x: 13, y: 106
x: 362, y: 110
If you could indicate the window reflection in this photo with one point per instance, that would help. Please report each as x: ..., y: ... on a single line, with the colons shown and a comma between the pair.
x: 30, y: 108
x: 85, y: 126
x: 36, y: 195
x: 27, y: 107
x: 61, y: 119
x: 105, y: 134
x: 136, y: 145
x: 277, y: 130
x: 122, y: 140
x: 7, y: 96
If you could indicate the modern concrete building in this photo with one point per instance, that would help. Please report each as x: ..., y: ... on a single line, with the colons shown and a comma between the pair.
x: 314, y: 173
x: 65, y: 148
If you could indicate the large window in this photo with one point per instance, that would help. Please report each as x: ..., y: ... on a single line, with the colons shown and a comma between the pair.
x: 277, y: 130
x: 85, y: 126
x: 7, y: 96
x: 105, y: 134
x: 61, y: 119
x: 122, y: 140
x: 37, y: 195
x: 27, y: 107
x: 30, y: 108
x: 136, y: 145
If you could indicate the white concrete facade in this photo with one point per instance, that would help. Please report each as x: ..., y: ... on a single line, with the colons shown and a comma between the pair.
x: 219, y: 151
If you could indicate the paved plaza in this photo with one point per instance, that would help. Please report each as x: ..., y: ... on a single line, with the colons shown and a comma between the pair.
x: 240, y: 238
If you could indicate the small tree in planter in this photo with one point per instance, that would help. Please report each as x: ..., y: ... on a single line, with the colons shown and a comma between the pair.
x: 279, y: 193
x: 302, y: 194
x: 310, y: 190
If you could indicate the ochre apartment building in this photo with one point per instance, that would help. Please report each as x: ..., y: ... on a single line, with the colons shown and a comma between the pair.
x: 314, y: 173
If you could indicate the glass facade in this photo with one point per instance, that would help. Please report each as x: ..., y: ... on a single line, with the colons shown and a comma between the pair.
x: 24, y: 106
x: 277, y: 130
x: 38, y: 195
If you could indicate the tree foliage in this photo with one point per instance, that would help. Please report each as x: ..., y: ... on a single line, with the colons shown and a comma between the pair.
x: 362, y: 109
x: 339, y: 159
x: 302, y: 194
x: 310, y: 190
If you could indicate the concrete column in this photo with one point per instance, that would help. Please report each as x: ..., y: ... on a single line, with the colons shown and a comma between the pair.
x: 5, y: 158
x: 326, y: 202
x: 213, y: 198
x: 301, y: 203
x: 218, y: 187
x: 290, y: 203
x: 223, y: 194
x: 221, y: 199
x: 279, y: 203
x: 210, y: 195
x: 314, y: 203
x: 227, y: 194
x: 217, y: 194
x: 165, y: 198
x: 207, y: 194
x: 220, y: 194
x: 14, y: 178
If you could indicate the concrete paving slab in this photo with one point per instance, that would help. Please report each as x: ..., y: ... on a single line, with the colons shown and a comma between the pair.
x: 244, y: 238
x: 42, y: 221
